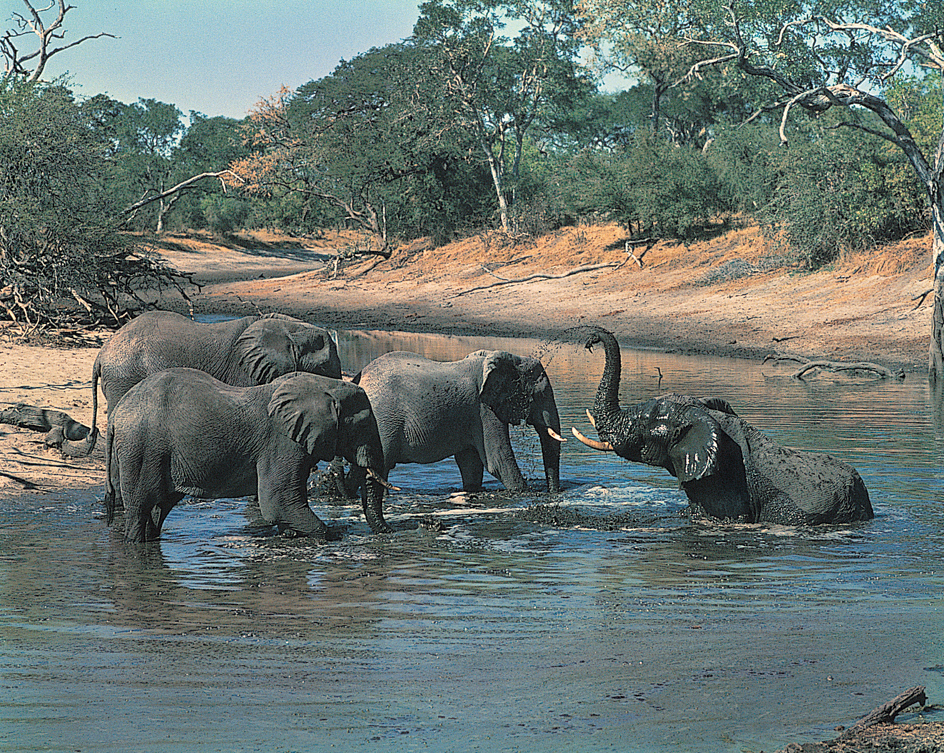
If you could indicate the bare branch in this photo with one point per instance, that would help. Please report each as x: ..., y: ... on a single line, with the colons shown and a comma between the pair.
x: 185, y: 184
x: 16, y: 62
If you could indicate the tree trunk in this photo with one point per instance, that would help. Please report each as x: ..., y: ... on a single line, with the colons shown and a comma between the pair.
x: 936, y: 361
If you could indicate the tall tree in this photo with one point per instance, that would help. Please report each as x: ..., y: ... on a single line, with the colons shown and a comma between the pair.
x: 502, y: 87
x: 59, y: 239
x: 350, y: 140
x: 820, y: 55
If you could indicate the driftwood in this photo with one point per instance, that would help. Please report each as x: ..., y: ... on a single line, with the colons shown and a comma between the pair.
x: 808, y: 366
x: 887, y: 712
x: 539, y: 276
x: 61, y: 429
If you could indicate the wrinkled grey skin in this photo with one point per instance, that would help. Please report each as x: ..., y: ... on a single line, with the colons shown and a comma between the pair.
x: 431, y: 410
x: 182, y: 432
x: 242, y: 352
x: 728, y: 469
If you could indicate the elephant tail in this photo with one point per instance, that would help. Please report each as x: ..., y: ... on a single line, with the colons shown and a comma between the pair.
x: 111, y: 495
x: 84, y: 448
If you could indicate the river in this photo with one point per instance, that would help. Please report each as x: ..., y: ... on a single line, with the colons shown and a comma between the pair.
x: 624, y: 627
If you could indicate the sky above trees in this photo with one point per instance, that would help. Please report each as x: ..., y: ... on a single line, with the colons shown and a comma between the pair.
x: 218, y: 57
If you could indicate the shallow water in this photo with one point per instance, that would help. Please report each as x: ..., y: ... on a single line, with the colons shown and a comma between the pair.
x: 631, y: 629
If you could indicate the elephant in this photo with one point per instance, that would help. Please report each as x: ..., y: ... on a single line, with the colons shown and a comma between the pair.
x: 727, y: 468
x: 183, y: 432
x: 431, y: 410
x: 240, y: 352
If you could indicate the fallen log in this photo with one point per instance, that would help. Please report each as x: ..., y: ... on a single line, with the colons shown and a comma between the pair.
x: 61, y: 429
x: 881, y: 371
x: 808, y: 365
x: 886, y: 713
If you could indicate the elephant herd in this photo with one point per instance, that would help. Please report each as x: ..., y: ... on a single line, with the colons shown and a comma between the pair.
x: 250, y: 406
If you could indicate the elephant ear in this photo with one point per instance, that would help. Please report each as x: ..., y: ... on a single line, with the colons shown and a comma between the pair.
x: 503, y: 386
x: 267, y: 349
x: 694, y: 446
x: 301, y: 409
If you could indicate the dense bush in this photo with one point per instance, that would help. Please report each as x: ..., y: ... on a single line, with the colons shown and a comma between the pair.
x: 61, y: 253
x: 842, y: 192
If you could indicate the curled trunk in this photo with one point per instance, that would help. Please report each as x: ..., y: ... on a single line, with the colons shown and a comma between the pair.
x: 606, y: 405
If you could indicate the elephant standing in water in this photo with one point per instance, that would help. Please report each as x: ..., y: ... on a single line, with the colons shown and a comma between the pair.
x: 431, y: 410
x: 728, y: 469
x: 241, y: 352
x: 182, y: 432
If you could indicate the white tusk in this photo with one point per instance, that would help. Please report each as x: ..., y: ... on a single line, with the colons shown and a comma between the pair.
x: 595, y: 444
x: 554, y: 435
x: 382, y: 482
x: 590, y: 416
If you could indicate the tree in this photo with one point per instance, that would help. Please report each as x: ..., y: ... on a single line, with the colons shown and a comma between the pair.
x: 822, y: 55
x: 365, y: 142
x: 831, y: 55
x: 503, y: 87
x: 45, y: 34
x: 59, y: 239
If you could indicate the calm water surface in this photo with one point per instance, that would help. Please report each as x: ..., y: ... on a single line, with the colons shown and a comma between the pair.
x: 624, y: 628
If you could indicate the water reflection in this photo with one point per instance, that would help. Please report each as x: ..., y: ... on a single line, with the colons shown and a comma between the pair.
x: 614, y: 624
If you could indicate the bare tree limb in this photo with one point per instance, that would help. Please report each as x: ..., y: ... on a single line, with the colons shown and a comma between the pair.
x: 576, y: 270
x: 15, y: 62
x: 182, y: 185
x: 881, y: 371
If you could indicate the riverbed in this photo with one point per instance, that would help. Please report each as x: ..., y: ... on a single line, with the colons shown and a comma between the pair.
x: 621, y: 625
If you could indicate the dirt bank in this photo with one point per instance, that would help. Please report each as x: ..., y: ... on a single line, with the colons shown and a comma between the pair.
x: 733, y: 296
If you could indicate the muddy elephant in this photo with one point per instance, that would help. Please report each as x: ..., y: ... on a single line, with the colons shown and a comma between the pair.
x: 431, y: 410
x: 241, y: 352
x: 728, y: 469
x: 183, y: 432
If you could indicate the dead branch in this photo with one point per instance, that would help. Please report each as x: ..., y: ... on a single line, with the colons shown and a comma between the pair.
x: 185, y: 184
x: 650, y: 242
x: 887, y: 712
x: 837, y: 366
x: 33, y: 24
x: 540, y: 276
x: 920, y: 298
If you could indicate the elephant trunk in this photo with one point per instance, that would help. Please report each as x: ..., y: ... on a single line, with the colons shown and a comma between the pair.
x: 551, y: 453
x: 372, y: 501
x: 606, y: 403
x: 546, y: 422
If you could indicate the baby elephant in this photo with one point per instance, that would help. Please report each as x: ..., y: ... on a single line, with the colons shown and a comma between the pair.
x: 182, y: 432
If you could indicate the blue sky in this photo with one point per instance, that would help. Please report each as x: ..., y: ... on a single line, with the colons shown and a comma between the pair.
x: 218, y: 57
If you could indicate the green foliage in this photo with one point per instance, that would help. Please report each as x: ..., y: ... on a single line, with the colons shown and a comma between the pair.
x: 59, y: 242
x: 842, y: 192
x: 224, y: 214
x: 651, y: 188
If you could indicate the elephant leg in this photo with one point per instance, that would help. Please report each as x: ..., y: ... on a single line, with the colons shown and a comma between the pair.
x: 500, y: 458
x: 472, y: 469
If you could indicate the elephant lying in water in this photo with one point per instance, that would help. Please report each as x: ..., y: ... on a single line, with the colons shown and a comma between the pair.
x: 728, y: 469
x: 182, y: 432
x: 431, y: 410
x: 240, y: 352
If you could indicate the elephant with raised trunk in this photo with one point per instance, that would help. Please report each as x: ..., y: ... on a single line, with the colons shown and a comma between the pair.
x: 241, y: 352
x: 728, y: 469
x: 431, y: 410
x: 183, y: 432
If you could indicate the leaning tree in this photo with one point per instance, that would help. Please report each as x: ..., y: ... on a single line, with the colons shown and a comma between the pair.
x: 819, y: 55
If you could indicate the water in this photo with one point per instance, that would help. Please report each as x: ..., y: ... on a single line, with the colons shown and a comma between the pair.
x: 624, y: 628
